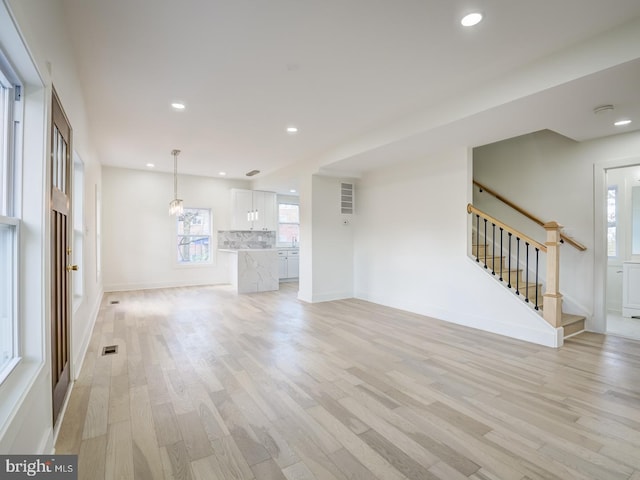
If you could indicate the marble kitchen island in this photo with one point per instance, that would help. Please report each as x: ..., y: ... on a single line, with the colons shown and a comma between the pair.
x: 253, y: 270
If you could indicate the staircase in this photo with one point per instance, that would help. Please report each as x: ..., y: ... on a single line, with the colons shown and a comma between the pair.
x: 523, y: 282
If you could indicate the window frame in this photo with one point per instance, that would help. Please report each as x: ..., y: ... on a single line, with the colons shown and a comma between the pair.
x: 176, y: 245
x: 78, y: 179
x: 10, y: 148
x: 294, y: 242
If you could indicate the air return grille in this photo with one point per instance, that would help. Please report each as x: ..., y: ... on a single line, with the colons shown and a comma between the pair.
x: 346, y: 198
x: 110, y: 350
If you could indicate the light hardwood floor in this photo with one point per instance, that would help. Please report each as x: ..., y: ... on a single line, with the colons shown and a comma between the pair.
x: 210, y: 385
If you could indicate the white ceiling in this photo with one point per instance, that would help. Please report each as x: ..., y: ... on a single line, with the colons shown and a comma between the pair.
x: 365, y: 81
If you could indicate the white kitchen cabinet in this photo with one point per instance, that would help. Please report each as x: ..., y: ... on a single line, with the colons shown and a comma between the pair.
x: 288, y: 264
x: 293, y: 265
x: 282, y: 265
x: 253, y: 210
x: 631, y: 289
x: 241, y: 208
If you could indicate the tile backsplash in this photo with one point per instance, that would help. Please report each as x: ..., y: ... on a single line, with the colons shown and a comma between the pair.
x: 237, y: 239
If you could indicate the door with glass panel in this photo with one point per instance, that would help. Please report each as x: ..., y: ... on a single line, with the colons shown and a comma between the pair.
x: 60, y: 254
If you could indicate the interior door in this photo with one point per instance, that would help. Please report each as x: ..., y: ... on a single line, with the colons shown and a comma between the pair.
x: 60, y: 254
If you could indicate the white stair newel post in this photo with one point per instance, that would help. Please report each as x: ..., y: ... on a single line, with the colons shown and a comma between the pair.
x: 552, y: 298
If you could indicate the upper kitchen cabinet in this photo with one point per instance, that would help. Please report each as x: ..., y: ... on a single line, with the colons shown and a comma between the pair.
x: 253, y: 210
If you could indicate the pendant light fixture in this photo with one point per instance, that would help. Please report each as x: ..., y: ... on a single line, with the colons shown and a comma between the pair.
x: 175, y: 206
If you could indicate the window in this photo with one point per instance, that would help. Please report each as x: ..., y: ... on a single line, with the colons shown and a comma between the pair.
x: 612, y: 222
x: 194, y: 236
x: 78, y: 228
x: 288, y: 223
x: 9, y: 223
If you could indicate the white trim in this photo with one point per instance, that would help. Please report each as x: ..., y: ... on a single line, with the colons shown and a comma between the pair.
x: 15, y: 391
x: 126, y: 287
x: 47, y: 444
x: 598, y: 323
x: 330, y: 296
x: 81, y: 352
x: 546, y: 336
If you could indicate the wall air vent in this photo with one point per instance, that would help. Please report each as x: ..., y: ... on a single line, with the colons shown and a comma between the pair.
x: 346, y: 198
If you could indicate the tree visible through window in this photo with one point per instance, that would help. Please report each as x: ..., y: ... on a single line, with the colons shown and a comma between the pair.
x: 612, y: 210
x: 194, y: 236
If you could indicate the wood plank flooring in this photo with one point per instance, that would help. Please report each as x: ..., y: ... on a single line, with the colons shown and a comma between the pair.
x: 210, y: 385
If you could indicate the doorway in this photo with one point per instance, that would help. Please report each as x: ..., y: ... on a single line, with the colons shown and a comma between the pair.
x: 60, y: 254
x: 622, y: 245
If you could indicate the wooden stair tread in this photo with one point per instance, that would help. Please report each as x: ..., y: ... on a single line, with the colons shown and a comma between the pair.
x: 569, y: 318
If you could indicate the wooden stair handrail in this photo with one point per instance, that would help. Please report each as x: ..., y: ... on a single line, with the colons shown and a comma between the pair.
x: 498, y: 223
x: 529, y: 215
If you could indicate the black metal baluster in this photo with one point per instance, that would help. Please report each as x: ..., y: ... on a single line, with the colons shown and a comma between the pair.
x: 537, y: 252
x: 517, y: 265
x: 477, y: 238
x: 501, y: 262
x: 526, y: 275
x: 485, y: 243
x: 509, y: 266
x: 493, y: 250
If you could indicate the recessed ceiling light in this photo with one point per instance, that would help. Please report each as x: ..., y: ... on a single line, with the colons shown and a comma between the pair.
x: 292, y: 129
x: 293, y: 190
x: 178, y: 105
x: 150, y: 165
x: 621, y: 123
x: 471, y: 19
x: 222, y: 174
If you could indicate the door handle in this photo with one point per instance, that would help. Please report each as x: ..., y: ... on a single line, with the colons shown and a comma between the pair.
x: 72, y: 267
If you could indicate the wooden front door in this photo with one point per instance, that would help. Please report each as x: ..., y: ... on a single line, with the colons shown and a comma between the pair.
x: 60, y: 254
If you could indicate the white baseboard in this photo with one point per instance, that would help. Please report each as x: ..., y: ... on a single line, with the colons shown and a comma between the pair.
x: 82, y: 351
x: 546, y: 336
x: 330, y: 296
x: 127, y: 287
x: 46, y: 446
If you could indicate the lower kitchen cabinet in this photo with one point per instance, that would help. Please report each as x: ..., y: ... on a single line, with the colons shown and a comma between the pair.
x: 288, y: 264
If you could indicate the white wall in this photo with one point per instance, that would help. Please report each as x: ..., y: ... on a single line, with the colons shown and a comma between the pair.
x: 139, y: 235
x: 332, y: 242
x: 411, y: 249
x: 553, y: 177
x: 28, y: 428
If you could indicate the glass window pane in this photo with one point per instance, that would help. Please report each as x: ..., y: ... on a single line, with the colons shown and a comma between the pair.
x: 612, y: 243
x: 194, y: 236
x: 288, y: 213
x: 7, y: 307
x: 194, y: 221
x: 635, y: 221
x: 4, y: 139
x: 193, y: 249
x: 288, y: 233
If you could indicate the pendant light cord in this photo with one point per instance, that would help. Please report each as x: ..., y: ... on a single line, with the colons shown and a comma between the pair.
x: 175, y: 172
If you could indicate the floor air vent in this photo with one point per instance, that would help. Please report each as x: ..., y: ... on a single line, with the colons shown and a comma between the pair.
x: 110, y: 350
x: 114, y: 302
